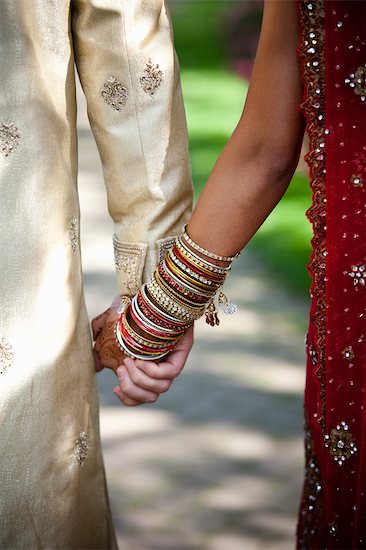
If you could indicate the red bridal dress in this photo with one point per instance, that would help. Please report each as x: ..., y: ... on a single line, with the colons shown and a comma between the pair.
x: 333, y: 57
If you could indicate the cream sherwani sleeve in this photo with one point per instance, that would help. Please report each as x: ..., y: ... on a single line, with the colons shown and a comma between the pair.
x: 130, y: 75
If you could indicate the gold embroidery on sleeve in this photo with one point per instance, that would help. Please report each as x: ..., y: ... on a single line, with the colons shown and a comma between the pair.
x: 129, y: 260
x: 114, y: 93
x: 151, y: 79
x: 81, y: 448
x: 6, y: 355
x: 9, y: 138
x: 164, y: 245
x: 74, y: 234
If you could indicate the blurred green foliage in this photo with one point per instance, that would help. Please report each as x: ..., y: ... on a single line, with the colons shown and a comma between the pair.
x: 214, y: 98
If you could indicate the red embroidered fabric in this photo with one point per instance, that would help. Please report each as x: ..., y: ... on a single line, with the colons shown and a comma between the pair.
x: 333, y: 58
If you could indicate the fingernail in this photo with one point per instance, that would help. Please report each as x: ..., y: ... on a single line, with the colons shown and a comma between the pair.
x: 121, y: 372
x: 129, y: 363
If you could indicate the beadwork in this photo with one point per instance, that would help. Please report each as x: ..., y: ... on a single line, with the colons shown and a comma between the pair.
x: 74, y: 234
x: 151, y: 79
x: 356, y: 180
x: 348, y: 354
x: 357, y: 81
x: 114, y: 93
x: 81, y: 448
x: 311, y: 52
x: 6, y: 355
x: 340, y: 443
x: 180, y: 291
x: 358, y: 274
x: 9, y: 138
x: 128, y: 259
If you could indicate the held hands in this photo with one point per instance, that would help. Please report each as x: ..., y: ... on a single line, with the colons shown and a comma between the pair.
x: 138, y: 381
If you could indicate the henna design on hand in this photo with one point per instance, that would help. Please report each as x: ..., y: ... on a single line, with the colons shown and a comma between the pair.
x: 107, y: 347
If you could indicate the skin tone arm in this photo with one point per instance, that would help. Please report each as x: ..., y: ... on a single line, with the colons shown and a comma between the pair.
x: 259, y: 160
x: 249, y: 179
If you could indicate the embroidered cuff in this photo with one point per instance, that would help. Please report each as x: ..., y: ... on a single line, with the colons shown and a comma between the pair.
x: 129, y: 260
x: 164, y: 245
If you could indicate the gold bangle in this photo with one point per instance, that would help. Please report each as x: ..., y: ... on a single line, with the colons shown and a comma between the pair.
x: 207, y: 253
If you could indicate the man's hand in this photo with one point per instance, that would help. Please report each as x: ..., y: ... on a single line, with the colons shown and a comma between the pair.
x: 106, y: 350
x: 143, y: 381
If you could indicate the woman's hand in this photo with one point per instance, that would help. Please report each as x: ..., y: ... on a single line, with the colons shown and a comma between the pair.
x: 138, y: 381
x: 143, y: 381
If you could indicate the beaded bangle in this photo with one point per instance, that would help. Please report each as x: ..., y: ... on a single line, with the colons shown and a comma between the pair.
x: 140, y: 338
x: 127, y: 352
x: 208, y: 267
x: 179, y: 292
x: 138, y: 316
x: 185, y: 269
x: 155, y: 315
x: 204, y: 251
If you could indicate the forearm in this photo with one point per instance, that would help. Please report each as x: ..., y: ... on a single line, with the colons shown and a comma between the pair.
x: 242, y: 190
x: 258, y: 162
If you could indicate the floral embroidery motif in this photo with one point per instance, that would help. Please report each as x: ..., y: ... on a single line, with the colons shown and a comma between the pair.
x: 74, y: 234
x: 340, y: 443
x: 311, y: 52
x: 164, y: 245
x: 9, y: 138
x: 348, y: 354
x: 152, y: 78
x: 81, y: 448
x: 357, y: 81
x: 6, y: 355
x: 356, y: 180
x: 129, y: 260
x: 114, y: 93
x: 358, y: 274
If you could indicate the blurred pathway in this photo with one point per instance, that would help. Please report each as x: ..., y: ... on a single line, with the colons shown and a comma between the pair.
x: 217, y: 463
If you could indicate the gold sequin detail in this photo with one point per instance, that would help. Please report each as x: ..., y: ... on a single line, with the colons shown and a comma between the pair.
x: 129, y: 259
x: 74, y: 234
x: 164, y: 245
x: 6, y: 355
x: 340, y: 443
x: 81, y: 448
x: 151, y: 79
x: 356, y: 180
x: 312, y: 56
x: 9, y: 138
x: 114, y: 93
x: 348, y: 354
x: 333, y: 528
x: 357, y: 81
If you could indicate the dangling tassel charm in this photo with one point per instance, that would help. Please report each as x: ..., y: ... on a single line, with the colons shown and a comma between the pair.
x: 225, y: 303
x: 211, y: 314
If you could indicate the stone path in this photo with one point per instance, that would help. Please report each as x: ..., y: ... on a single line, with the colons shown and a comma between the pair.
x: 217, y: 463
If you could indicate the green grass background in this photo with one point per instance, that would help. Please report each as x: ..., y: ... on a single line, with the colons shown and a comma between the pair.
x: 214, y: 98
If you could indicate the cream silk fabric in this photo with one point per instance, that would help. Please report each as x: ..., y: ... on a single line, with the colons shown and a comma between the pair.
x: 52, y: 485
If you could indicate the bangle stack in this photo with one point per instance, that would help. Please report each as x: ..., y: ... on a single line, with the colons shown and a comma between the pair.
x: 179, y: 292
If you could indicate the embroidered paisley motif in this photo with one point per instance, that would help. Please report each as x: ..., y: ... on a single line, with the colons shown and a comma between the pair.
x: 114, y: 93
x: 81, y: 448
x: 151, y: 79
